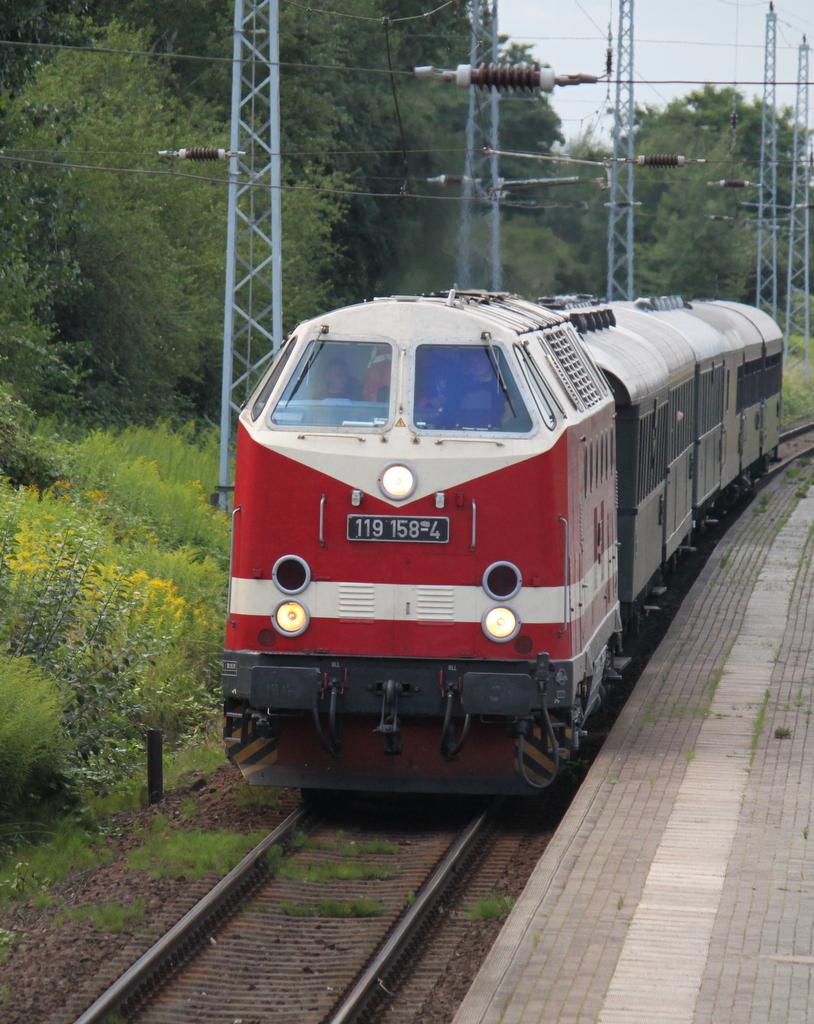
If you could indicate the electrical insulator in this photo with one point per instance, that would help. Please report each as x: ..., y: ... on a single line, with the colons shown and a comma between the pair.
x: 609, y: 62
x: 661, y: 160
x: 519, y: 77
x: 732, y: 183
x: 199, y: 153
x: 453, y: 179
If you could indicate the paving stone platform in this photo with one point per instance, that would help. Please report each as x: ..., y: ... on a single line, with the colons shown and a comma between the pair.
x: 679, y: 888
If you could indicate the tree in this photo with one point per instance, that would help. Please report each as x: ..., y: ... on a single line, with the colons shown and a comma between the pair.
x: 21, y: 22
x: 680, y: 248
x: 132, y: 274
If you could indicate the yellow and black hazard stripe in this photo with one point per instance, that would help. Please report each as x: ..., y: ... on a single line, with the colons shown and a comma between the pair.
x: 537, y: 760
x: 249, y: 751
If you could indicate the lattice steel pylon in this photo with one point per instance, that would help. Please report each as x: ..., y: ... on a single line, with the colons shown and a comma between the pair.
x: 478, y: 169
x: 252, y: 319
x: 767, y: 226
x: 798, y: 300
x: 620, y: 214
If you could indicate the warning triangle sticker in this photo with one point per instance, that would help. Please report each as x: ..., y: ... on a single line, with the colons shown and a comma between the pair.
x: 400, y: 422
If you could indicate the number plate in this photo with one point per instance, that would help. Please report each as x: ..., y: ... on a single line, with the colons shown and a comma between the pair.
x: 432, y: 529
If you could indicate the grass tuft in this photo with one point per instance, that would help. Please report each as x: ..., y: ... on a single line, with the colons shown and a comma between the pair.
x: 490, y: 907
x: 328, y: 870
x: 257, y: 796
x: 296, y: 909
x: 376, y: 846
x: 174, y: 854
x: 107, y: 917
x: 362, y: 907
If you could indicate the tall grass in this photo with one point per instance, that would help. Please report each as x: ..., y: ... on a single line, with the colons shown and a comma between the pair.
x: 112, y: 587
x: 798, y: 395
x: 153, y: 484
x: 33, y: 749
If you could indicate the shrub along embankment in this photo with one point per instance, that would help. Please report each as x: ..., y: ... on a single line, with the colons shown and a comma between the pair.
x: 112, y: 587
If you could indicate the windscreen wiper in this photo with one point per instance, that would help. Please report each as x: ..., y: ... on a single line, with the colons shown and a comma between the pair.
x: 496, y: 368
x: 309, y: 362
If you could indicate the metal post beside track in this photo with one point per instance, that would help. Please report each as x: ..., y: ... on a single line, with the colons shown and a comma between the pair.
x: 155, y: 766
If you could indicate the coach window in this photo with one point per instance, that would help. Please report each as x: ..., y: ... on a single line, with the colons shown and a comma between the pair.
x: 339, y: 384
x: 467, y: 387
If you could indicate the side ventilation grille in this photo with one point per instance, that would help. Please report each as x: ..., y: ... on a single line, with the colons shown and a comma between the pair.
x: 573, y: 369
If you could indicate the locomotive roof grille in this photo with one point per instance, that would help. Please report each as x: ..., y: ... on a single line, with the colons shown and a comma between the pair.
x: 572, y: 369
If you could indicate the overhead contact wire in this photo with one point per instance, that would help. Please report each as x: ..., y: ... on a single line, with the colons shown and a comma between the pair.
x: 404, y: 188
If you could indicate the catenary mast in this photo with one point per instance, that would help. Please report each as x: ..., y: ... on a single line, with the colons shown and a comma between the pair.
x: 477, y: 169
x: 798, y: 311
x: 252, y: 321
x: 766, y: 290
x: 620, y: 217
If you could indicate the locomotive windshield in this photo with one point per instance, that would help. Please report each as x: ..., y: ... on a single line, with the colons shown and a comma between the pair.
x: 340, y: 384
x: 467, y: 387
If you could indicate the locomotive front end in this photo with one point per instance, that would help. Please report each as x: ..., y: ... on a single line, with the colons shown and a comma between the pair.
x: 412, y: 604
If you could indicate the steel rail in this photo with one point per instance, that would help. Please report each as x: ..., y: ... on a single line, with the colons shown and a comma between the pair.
x: 783, y: 464
x: 395, y: 945
x: 796, y: 431
x: 188, y: 930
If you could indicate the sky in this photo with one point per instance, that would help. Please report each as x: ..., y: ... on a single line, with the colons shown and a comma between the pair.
x: 687, y: 40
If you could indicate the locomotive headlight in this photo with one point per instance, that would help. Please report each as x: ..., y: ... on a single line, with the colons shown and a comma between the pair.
x: 397, y: 481
x: 502, y: 580
x: 290, y: 618
x: 291, y: 574
x: 501, y: 623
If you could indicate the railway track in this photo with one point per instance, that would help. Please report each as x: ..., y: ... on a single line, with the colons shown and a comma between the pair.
x: 265, y: 945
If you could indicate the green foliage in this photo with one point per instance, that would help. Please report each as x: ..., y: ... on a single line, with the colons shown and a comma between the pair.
x: 54, y: 22
x: 25, y: 460
x: 375, y: 846
x: 32, y: 868
x: 290, y: 909
x: 168, y: 853
x: 8, y: 940
x: 148, y: 484
x: 256, y: 796
x: 110, y: 611
x: 33, y: 750
x: 327, y: 870
x: 112, y: 297
x: 109, y: 918
x: 193, y: 760
x: 143, y: 316
x: 360, y: 907
x: 798, y: 395
x: 679, y: 248
x: 490, y: 907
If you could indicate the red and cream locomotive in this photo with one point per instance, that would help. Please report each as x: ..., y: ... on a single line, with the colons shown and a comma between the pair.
x: 425, y: 581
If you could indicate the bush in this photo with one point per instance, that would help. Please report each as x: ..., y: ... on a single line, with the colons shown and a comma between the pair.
x: 24, y: 460
x: 798, y: 395
x: 153, y: 490
x: 32, y: 747
x: 114, y: 594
